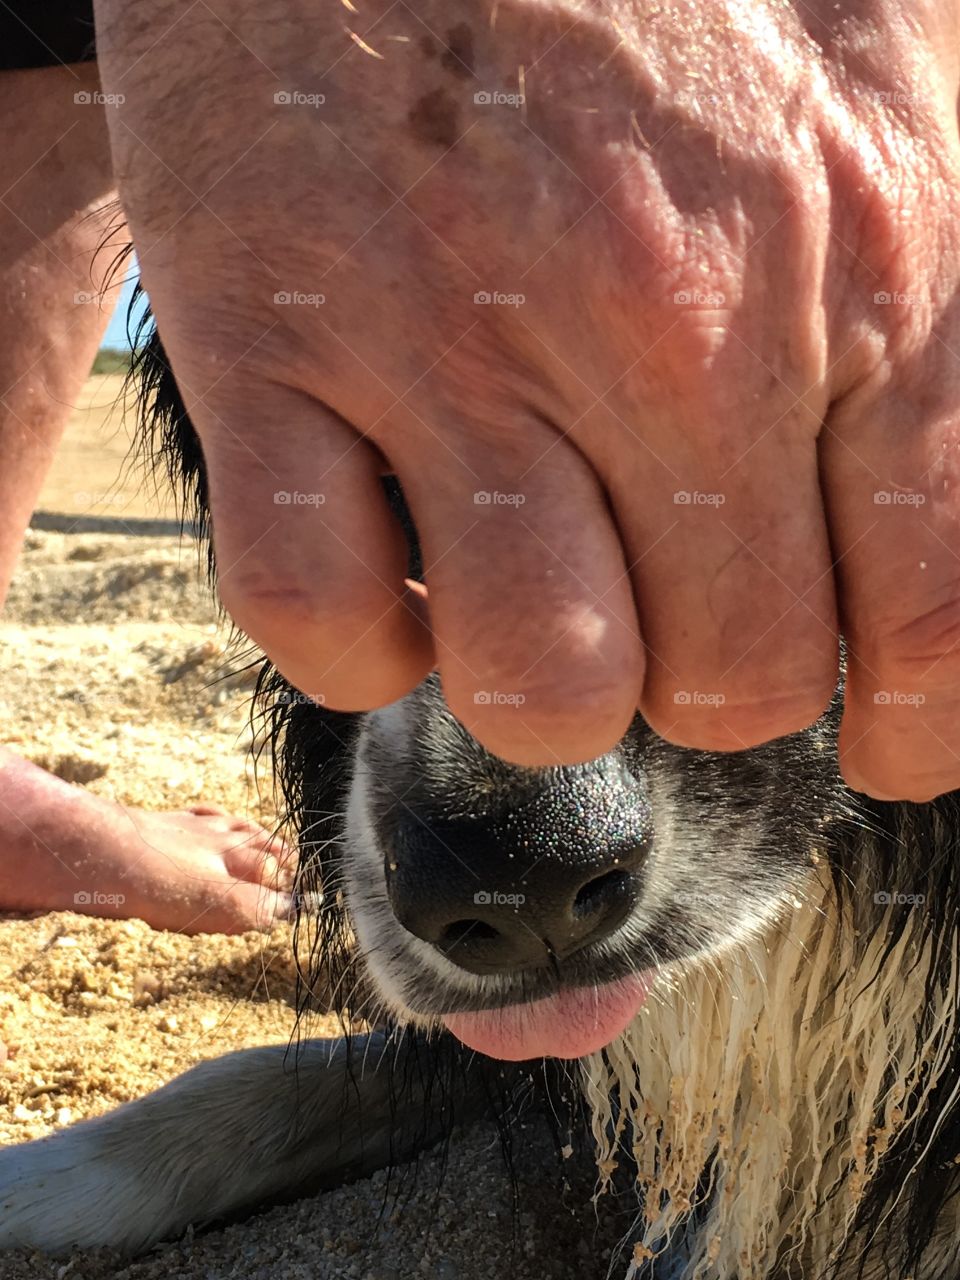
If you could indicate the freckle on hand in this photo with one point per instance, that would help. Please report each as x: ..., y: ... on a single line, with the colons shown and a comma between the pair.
x: 435, y: 119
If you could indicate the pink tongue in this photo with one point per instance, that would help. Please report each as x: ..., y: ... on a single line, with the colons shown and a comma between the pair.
x: 568, y: 1025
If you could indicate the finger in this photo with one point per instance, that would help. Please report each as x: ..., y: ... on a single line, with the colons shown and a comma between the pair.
x: 310, y: 560
x: 532, y: 611
x: 893, y: 493
x: 736, y: 595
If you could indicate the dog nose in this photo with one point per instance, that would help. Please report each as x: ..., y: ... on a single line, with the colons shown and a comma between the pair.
x: 516, y: 890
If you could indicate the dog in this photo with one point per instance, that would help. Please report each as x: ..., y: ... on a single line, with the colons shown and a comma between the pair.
x: 752, y: 970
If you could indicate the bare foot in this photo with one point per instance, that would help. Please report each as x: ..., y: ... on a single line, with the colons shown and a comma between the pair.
x: 198, y: 871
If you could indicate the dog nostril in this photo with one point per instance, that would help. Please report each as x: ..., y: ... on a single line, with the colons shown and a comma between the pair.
x: 461, y: 930
x: 601, y: 893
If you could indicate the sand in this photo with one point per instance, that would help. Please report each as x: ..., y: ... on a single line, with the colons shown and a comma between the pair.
x: 115, y: 674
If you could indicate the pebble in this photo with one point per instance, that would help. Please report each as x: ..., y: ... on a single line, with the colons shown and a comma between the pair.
x: 84, y: 979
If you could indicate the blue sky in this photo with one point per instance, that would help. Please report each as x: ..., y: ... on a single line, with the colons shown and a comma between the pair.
x: 116, y: 335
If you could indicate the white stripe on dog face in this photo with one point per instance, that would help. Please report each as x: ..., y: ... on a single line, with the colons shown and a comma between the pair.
x: 394, y: 957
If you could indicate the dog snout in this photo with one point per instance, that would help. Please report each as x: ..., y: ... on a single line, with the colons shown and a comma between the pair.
x: 527, y: 888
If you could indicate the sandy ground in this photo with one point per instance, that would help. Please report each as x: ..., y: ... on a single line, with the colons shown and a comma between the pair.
x: 93, y: 474
x: 116, y: 676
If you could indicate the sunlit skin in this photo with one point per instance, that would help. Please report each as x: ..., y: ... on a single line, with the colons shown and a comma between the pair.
x: 62, y: 847
x: 718, y: 251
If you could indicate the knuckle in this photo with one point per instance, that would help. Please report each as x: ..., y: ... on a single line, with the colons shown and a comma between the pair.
x: 260, y: 606
x: 547, y: 722
x: 920, y: 647
x: 719, y: 722
x: 290, y: 614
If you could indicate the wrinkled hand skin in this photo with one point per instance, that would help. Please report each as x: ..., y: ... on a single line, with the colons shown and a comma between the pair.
x: 714, y: 399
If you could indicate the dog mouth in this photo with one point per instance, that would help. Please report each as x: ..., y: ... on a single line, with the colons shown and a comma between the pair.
x: 572, y: 1023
